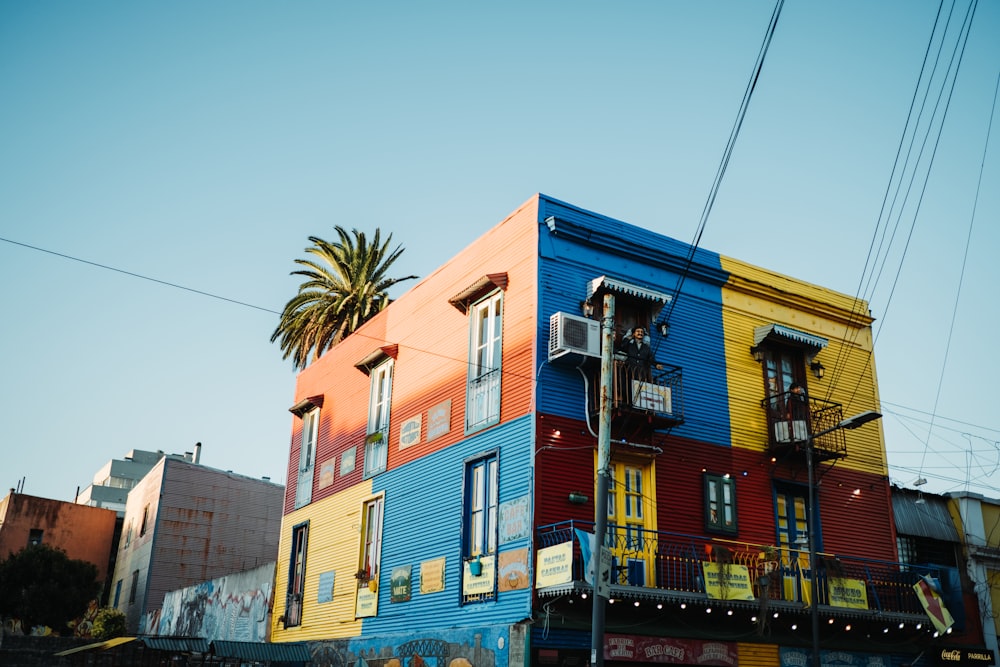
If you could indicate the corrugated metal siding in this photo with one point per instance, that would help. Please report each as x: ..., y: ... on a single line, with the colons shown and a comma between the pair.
x: 423, y: 521
x: 333, y: 546
x: 758, y: 655
x: 432, y: 362
x: 563, y: 463
x: 754, y: 297
x: 210, y: 523
x: 610, y: 247
x: 928, y: 519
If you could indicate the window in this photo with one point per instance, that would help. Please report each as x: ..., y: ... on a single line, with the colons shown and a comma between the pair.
x: 133, y: 588
x: 35, y: 537
x: 481, y: 506
x: 793, y: 539
x: 118, y: 593
x: 371, y: 540
x: 630, y: 521
x: 720, y: 504
x: 483, y: 393
x: 145, y: 520
x: 128, y: 534
x: 307, y: 457
x: 380, y: 399
x: 296, y: 575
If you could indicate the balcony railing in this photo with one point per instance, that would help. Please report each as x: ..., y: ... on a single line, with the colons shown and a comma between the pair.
x: 653, y: 395
x: 793, y: 418
x: 646, y: 561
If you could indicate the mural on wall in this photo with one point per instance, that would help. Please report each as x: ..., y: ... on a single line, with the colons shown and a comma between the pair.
x: 484, y: 647
x: 233, y: 608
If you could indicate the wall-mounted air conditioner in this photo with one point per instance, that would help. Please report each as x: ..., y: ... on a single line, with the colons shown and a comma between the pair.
x: 572, y: 336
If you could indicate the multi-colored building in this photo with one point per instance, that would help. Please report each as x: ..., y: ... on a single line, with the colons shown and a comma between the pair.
x: 441, y: 489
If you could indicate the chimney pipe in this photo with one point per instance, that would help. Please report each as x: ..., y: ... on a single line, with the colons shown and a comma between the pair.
x: 197, y: 452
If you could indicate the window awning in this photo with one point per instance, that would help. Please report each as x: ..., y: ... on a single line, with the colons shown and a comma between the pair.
x: 781, y: 333
x: 478, y: 289
x: 176, y: 644
x: 306, y: 404
x: 622, y: 287
x: 377, y: 357
x: 262, y: 652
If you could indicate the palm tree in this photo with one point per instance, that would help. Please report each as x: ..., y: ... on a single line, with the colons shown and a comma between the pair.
x: 345, y: 286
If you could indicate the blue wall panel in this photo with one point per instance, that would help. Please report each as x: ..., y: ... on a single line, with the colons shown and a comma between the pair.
x: 584, y: 246
x: 423, y: 521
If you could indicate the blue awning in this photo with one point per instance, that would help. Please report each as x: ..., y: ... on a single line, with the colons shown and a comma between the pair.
x: 780, y: 331
x: 622, y: 287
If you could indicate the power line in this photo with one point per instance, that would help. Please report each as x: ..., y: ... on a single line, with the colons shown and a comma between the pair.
x: 139, y: 275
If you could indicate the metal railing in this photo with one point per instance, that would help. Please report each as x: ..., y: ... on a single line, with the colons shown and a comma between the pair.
x: 792, y: 418
x: 654, y: 390
x: 676, y: 562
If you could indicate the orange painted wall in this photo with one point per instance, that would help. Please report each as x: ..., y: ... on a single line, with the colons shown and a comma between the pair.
x: 83, y: 532
x: 431, y: 366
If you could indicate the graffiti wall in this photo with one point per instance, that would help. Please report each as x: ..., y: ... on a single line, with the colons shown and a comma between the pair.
x: 481, y: 647
x: 233, y: 608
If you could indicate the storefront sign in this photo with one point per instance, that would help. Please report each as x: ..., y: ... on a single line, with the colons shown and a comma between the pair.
x: 482, y: 583
x: 513, y: 570
x: 668, y: 650
x: 848, y: 593
x: 515, y: 523
x: 432, y: 576
x: 554, y: 565
x: 964, y: 657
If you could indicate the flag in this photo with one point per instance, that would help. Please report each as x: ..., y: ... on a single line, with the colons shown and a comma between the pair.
x: 928, y: 591
x: 587, y: 551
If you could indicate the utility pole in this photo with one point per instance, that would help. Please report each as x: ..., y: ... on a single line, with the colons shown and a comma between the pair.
x: 603, y: 474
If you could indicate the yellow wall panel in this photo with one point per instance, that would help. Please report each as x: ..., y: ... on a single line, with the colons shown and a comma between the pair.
x: 754, y: 297
x: 334, y: 534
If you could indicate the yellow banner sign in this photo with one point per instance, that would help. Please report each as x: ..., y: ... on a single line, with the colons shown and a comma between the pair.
x: 727, y: 582
x: 848, y: 593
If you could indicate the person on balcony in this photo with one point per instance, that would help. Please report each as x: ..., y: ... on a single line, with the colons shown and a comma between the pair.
x: 797, y: 412
x: 638, y: 354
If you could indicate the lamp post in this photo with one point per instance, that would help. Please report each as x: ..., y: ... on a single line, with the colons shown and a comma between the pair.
x: 849, y: 423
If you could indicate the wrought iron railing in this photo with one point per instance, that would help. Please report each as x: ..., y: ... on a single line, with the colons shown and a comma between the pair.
x: 656, y: 390
x: 793, y: 418
x: 676, y: 562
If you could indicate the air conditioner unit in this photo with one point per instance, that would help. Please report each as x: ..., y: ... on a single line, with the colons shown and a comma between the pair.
x: 572, y: 337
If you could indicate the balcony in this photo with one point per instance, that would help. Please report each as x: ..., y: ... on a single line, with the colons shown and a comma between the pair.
x: 641, y: 401
x: 672, y: 567
x: 791, y: 419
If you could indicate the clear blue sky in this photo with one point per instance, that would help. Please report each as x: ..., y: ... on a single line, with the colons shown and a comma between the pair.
x: 202, y: 143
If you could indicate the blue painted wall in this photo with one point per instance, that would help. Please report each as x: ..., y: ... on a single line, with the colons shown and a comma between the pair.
x: 423, y: 520
x: 585, y: 246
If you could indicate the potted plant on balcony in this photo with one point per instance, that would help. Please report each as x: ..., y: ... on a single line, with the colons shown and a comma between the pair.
x: 767, y: 559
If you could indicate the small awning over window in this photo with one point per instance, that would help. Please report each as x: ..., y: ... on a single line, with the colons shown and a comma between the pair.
x: 306, y: 404
x: 782, y: 334
x: 621, y: 287
x: 478, y: 290
x: 377, y: 357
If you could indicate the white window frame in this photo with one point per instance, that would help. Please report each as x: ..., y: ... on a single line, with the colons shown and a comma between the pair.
x: 379, y: 403
x: 372, y: 515
x: 482, y: 398
x: 307, y: 457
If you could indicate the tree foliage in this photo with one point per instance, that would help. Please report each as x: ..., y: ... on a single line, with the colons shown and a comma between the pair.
x: 110, y: 623
x: 41, y: 585
x: 346, y: 285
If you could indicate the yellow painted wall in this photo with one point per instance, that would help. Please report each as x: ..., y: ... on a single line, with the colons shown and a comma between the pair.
x: 334, y: 543
x: 754, y: 297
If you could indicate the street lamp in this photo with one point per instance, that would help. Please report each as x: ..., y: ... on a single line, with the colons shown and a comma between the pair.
x: 849, y: 423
